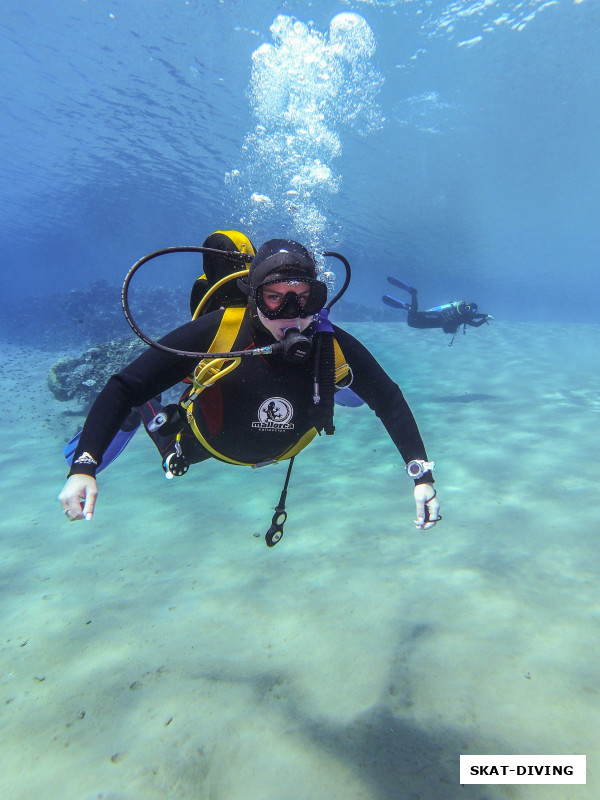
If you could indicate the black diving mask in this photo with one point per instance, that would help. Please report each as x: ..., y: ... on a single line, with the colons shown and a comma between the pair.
x: 291, y: 305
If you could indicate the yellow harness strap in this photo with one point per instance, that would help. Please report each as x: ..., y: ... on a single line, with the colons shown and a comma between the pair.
x: 343, y: 373
x: 228, y: 330
x: 210, y: 370
x: 292, y: 451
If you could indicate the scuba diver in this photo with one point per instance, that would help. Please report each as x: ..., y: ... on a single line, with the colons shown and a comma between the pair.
x: 449, y: 317
x: 241, y: 409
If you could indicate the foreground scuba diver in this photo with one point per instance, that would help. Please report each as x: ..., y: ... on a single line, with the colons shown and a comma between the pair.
x: 251, y: 410
x: 449, y: 317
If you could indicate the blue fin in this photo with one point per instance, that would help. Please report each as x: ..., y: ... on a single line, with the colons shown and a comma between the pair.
x: 114, y: 449
x: 394, y: 302
x: 346, y: 397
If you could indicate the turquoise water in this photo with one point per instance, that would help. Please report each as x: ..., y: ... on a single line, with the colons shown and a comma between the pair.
x: 468, y: 166
x: 162, y: 651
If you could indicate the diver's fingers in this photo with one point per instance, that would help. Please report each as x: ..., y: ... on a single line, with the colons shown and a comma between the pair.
x: 425, y: 525
x: 422, y: 524
x: 433, y: 509
x: 420, y: 505
x: 427, y: 506
x: 72, y: 509
x: 78, y: 497
x: 69, y: 503
x: 432, y: 513
x: 90, y: 501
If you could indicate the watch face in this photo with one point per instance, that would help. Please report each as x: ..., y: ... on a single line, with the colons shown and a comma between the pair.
x: 414, y: 469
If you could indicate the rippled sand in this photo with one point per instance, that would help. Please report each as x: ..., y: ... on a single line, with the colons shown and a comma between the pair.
x: 163, y: 651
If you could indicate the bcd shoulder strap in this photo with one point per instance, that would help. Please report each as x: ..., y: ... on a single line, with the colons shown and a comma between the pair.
x: 343, y: 373
x: 210, y: 370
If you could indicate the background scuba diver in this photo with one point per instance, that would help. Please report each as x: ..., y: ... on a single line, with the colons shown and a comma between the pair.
x: 284, y: 311
x: 449, y: 317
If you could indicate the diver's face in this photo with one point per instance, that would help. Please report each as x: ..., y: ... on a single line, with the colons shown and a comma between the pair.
x: 273, y: 297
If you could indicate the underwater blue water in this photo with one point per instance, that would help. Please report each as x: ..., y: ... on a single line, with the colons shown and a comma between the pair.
x: 455, y: 145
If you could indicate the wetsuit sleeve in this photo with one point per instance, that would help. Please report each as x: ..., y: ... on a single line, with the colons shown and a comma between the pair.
x: 150, y: 374
x: 372, y: 383
x: 478, y: 320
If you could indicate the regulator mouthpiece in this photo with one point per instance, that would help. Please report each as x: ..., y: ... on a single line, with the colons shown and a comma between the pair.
x: 295, y: 347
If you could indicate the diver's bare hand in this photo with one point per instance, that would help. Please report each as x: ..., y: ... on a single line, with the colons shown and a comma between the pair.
x: 427, y: 504
x: 78, y: 497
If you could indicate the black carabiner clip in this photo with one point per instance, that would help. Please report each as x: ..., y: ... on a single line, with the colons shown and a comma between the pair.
x: 275, y: 532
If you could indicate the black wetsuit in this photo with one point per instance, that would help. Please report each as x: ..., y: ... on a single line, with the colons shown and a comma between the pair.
x: 255, y: 413
x: 449, y: 318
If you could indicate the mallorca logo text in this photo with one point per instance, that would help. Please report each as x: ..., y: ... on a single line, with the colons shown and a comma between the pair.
x: 275, y: 414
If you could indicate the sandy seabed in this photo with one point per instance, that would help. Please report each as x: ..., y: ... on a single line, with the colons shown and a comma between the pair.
x: 163, y: 651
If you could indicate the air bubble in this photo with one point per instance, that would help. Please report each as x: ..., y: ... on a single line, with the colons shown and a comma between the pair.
x: 305, y: 88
